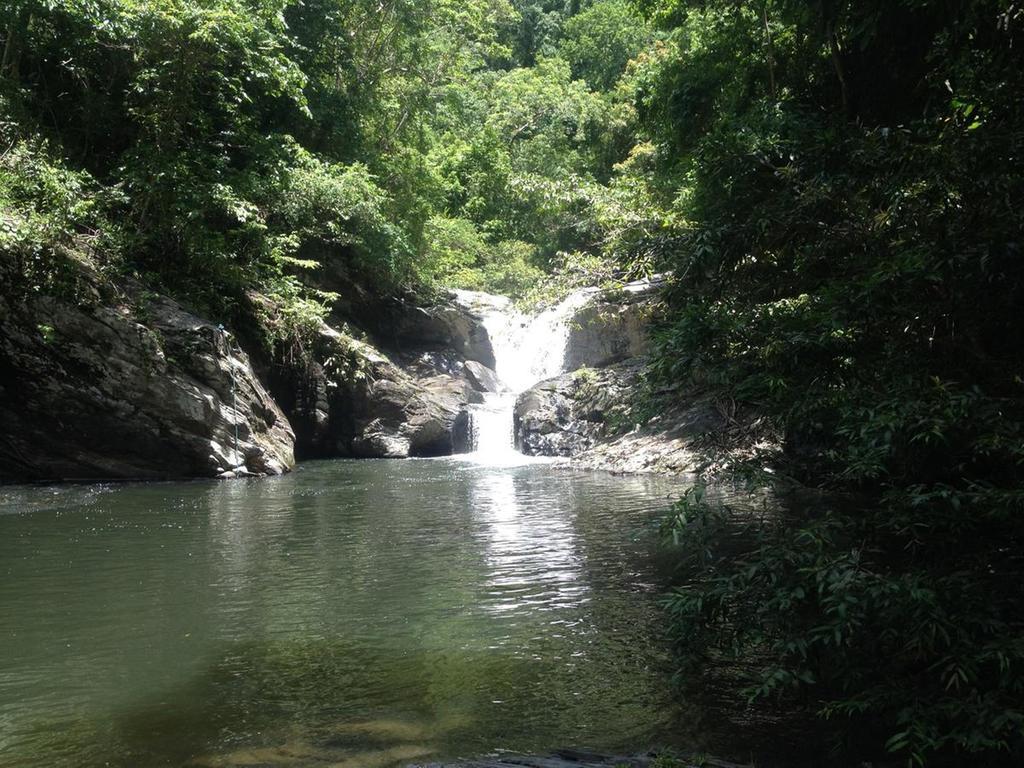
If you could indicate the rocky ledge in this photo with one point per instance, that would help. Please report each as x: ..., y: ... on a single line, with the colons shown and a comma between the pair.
x: 596, y: 416
x: 593, y: 417
x: 118, y: 384
x: 589, y: 416
x: 397, y: 385
x: 351, y: 399
x: 102, y: 379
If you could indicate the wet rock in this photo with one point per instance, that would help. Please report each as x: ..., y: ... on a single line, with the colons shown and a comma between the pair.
x: 568, y: 414
x: 350, y: 399
x: 591, y: 416
x: 545, y: 424
x: 611, y: 328
x: 482, y: 378
x: 127, y: 385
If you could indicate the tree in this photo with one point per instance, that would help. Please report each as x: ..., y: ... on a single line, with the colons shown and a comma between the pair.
x: 843, y: 226
x: 600, y: 41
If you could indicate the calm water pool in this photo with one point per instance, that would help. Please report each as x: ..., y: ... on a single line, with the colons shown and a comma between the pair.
x: 353, y: 613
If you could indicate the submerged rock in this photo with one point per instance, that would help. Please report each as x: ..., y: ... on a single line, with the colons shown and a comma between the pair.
x: 115, y: 384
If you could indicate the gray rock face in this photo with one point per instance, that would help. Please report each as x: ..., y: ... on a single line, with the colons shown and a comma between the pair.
x: 400, y: 324
x: 587, y: 415
x: 449, y: 327
x: 114, y: 385
x: 568, y: 414
x: 667, y: 444
x: 352, y: 400
x: 606, y: 331
x: 607, y: 338
x: 106, y: 390
x: 398, y: 417
x: 546, y: 424
x: 482, y: 378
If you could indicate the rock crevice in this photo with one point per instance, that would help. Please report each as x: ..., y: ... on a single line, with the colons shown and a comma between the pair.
x: 113, y: 381
x: 109, y: 390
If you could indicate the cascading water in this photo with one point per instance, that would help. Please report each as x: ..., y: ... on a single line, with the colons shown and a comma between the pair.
x: 527, y: 349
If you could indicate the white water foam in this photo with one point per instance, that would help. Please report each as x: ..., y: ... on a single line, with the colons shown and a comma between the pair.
x: 527, y: 349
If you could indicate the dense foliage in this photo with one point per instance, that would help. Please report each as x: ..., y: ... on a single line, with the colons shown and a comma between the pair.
x: 836, y: 186
x: 232, y: 145
x: 847, y: 249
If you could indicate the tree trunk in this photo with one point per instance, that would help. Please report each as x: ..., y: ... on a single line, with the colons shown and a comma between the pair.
x: 770, y: 51
x: 828, y: 28
x: 9, y: 62
x: 837, y: 63
x: 7, y: 48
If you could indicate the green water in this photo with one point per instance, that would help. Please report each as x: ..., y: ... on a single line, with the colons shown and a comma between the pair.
x: 351, y: 614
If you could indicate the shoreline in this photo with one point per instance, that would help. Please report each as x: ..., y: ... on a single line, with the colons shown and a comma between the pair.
x: 578, y: 758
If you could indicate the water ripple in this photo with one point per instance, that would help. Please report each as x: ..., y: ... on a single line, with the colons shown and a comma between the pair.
x: 359, y: 611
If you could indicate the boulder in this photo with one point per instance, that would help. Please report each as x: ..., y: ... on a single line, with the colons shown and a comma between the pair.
x: 566, y: 415
x: 544, y: 423
x: 482, y: 378
x: 589, y: 415
x: 116, y: 383
x: 607, y: 331
x: 350, y: 399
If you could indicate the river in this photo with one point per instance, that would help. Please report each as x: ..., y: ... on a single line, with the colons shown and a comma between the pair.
x: 354, y: 612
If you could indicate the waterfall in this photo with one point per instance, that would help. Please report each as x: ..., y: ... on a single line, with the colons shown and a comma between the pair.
x: 527, y: 349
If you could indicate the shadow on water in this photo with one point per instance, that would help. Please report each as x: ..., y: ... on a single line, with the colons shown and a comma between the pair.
x: 306, y: 704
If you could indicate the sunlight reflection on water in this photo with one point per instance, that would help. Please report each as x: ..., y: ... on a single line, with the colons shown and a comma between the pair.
x: 374, y: 611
